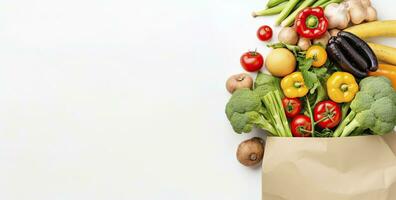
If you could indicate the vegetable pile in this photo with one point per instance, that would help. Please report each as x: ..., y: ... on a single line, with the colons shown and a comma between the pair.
x: 316, y: 20
x: 320, y: 80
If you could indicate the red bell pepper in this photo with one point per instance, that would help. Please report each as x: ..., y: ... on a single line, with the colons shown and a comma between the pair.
x: 311, y: 23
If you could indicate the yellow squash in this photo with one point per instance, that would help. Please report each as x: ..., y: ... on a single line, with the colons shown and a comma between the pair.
x: 342, y: 87
x: 293, y: 85
x: 389, y: 71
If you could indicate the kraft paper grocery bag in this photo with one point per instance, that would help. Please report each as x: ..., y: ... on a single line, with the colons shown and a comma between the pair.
x: 350, y: 168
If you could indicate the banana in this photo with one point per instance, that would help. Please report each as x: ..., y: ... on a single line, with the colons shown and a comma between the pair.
x: 384, y: 53
x: 385, y: 28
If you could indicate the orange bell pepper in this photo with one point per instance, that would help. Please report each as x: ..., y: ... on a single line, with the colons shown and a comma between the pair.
x: 389, y: 71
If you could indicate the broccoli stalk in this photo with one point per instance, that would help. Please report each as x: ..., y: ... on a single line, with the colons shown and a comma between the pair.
x: 262, y: 123
x: 344, y: 123
x: 354, y: 124
x: 357, y: 131
x: 362, y: 121
x: 344, y: 110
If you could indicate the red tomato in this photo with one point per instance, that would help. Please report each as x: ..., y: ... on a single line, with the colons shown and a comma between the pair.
x: 252, y: 61
x: 327, y: 114
x: 301, y: 126
x: 264, y: 33
x: 292, y: 106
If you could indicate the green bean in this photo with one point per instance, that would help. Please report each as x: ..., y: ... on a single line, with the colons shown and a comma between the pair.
x: 330, y: 2
x: 289, y: 20
x: 320, y: 2
x: 270, y: 11
x: 298, y: 5
x: 272, y: 3
x: 285, y: 12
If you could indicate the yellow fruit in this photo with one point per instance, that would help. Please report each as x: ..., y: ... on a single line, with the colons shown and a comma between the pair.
x: 385, y: 28
x: 319, y: 55
x: 280, y: 62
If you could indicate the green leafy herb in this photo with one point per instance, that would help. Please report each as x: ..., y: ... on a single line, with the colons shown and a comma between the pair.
x: 321, y: 93
x: 265, y: 83
x: 331, y: 67
x: 292, y: 48
x: 314, y: 78
x: 310, y: 78
x: 320, y: 72
x: 266, y: 80
x: 324, y: 133
x: 304, y: 64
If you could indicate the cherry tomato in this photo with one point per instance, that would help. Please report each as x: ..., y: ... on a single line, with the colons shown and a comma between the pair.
x: 252, y: 61
x: 301, y: 126
x: 327, y: 114
x: 319, y: 55
x: 264, y: 33
x: 292, y: 106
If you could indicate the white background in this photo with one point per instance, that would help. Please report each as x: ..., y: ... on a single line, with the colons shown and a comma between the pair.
x: 121, y: 99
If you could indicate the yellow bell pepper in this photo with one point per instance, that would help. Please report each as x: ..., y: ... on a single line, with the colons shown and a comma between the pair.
x: 342, y: 87
x: 293, y: 85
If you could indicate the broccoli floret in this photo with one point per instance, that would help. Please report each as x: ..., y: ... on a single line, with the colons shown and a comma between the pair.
x: 364, y: 103
x: 244, y: 110
x: 384, y: 111
x: 377, y: 87
x: 242, y: 100
x: 374, y: 108
x: 243, y: 123
x: 393, y: 97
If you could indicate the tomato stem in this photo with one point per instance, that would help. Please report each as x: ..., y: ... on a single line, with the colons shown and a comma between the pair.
x: 321, y: 120
x: 253, y: 53
x: 304, y: 131
x: 289, y: 106
x: 328, y: 114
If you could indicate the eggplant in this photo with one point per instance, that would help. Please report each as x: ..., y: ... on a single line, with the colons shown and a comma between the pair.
x: 352, y: 54
x: 363, y: 49
x: 335, y: 54
x: 332, y: 39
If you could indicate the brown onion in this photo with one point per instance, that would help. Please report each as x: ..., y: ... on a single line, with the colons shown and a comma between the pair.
x: 239, y: 81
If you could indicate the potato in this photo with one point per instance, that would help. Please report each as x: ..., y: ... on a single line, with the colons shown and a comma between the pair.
x: 250, y: 152
x: 323, y: 40
x: 280, y: 62
x: 304, y: 43
x: 288, y: 35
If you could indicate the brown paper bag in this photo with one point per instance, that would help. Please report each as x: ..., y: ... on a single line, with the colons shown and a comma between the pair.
x: 351, y: 168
